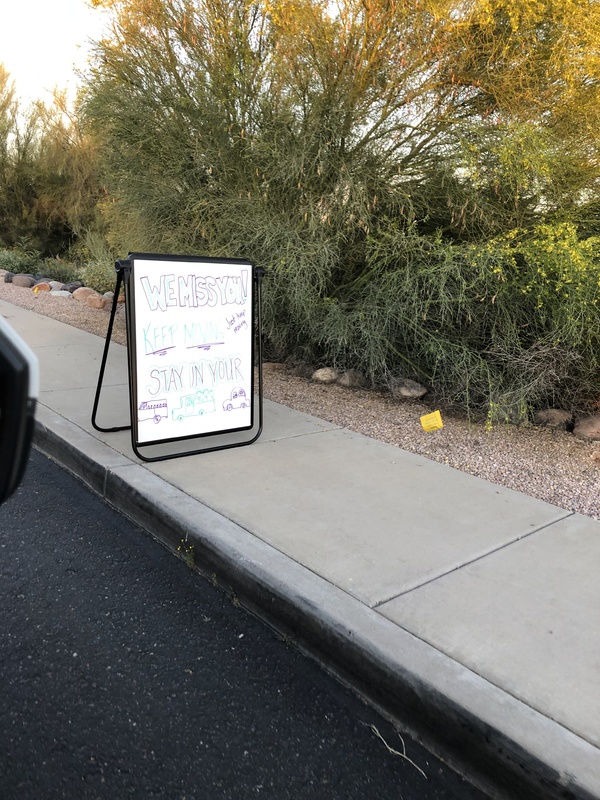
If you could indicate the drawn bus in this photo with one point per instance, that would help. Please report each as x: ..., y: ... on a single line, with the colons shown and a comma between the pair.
x: 194, y: 405
x: 153, y: 409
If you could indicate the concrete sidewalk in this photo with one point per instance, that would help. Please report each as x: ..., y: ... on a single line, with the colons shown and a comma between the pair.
x: 469, y: 612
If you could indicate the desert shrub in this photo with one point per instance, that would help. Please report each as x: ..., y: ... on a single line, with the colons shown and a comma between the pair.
x: 98, y: 263
x: 99, y: 275
x: 500, y: 327
x: 28, y: 260
x: 64, y: 271
x: 14, y: 261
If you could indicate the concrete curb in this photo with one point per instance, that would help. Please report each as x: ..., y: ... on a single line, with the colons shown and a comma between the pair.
x: 508, y: 748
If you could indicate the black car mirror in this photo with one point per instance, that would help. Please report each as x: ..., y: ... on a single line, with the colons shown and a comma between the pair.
x: 19, y: 388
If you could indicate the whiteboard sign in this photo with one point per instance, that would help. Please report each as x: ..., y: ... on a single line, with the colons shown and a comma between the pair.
x: 192, y: 355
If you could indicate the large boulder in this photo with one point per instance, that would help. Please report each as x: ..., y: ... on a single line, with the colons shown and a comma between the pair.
x: 26, y: 281
x: 83, y: 292
x: 325, y: 375
x: 352, y: 379
x: 41, y: 286
x: 406, y: 389
x: 302, y: 370
x: 70, y: 287
x: 588, y: 428
x: 553, y: 418
x: 8, y: 277
x: 95, y: 300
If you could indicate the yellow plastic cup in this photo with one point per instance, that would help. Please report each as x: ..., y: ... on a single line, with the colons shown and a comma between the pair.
x: 432, y: 422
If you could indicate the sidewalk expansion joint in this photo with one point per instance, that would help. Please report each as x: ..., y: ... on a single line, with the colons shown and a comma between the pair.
x: 297, y: 436
x: 491, y: 552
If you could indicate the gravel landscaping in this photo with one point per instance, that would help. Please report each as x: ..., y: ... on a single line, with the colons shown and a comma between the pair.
x: 549, y: 464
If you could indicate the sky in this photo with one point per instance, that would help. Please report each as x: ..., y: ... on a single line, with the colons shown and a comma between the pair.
x: 42, y: 40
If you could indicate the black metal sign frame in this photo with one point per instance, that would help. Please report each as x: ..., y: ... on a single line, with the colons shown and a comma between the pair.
x: 193, y: 338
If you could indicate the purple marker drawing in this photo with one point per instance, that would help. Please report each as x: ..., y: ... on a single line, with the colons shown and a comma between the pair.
x: 206, y: 346
x: 153, y: 409
x: 237, y: 399
x: 161, y: 352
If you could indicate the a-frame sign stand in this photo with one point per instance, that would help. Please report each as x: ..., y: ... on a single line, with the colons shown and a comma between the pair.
x: 194, y: 334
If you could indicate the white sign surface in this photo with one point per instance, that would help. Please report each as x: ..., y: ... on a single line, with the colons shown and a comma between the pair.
x: 193, y: 350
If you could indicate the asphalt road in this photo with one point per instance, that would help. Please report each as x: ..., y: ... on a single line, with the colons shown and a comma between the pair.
x: 124, y: 674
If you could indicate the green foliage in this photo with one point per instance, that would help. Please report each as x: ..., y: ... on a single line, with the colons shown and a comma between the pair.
x: 98, y: 263
x: 55, y: 270
x: 509, y: 325
x: 408, y: 174
x: 24, y: 259
x: 99, y: 275
x: 420, y: 180
x: 14, y: 261
x: 186, y: 549
x: 48, y: 185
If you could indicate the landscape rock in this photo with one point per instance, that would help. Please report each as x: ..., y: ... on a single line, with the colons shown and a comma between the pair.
x: 56, y: 286
x: 406, y: 389
x: 352, y: 379
x: 26, y: 281
x: 83, y: 292
x: 60, y: 293
x: 553, y: 418
x: 95, y: 300
x: 41, y: 286
x: 8, y: 277
x: 302, y: 370
x: 325, y: 375
x: 109, y: 295
x: 70, y: 287
x: 588, y: 428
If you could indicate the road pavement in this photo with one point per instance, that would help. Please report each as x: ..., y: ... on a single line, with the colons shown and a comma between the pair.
x: 124, y: 674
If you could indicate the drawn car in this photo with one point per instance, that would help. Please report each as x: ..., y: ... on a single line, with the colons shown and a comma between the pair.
x: 153, y: 409
x: 194, y: 405
x: 237, y: 399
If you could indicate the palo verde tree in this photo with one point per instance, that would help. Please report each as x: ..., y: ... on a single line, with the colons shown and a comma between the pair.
x: 48, y: 186
x: 369, y: 153
x: 6, y: 114
x: 68, y: 191
x: 17, y: 155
